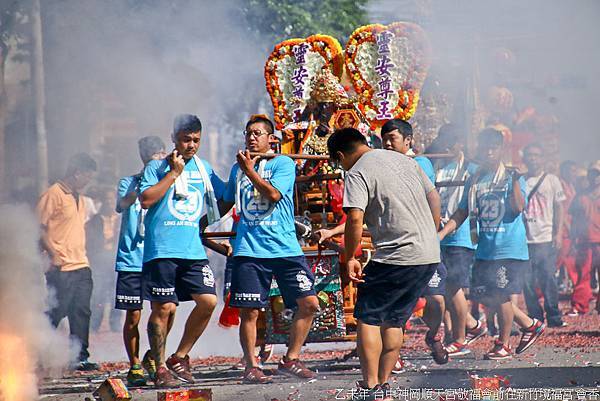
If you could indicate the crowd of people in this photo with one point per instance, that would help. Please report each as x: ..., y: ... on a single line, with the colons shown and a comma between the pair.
x: 461, y: 232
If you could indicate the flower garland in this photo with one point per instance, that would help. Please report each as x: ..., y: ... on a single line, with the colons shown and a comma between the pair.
x: 290, y: 68
x: 387, y: 66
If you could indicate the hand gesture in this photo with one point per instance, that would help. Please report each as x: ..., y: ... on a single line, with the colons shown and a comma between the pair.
x: 176, y: 163
x: 323, y: 234
x: 246, y: 162
x: 355, y: 271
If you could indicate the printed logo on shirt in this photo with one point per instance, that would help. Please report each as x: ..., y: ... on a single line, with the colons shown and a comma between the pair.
x: 491, y: 212
x: 254, y: 209
x: 129, y: 299
x: 188, y: 209
x: 304, y: 282
x: 209, y: 279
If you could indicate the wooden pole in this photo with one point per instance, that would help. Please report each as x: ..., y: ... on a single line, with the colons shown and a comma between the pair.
x: 326, y: 157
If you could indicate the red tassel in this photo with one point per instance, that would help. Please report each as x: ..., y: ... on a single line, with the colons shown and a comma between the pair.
x: 230, y: 317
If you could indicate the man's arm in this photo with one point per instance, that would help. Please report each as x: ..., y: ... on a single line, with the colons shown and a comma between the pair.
x: 45, y: 242
x: 352, y: 236
x: 325, y: 234
x: 455, y: 221
x: 247, y: 164
x: 435, y: 205
x: 127, y: 201
x: 156, y: 192
x: 517, y: 199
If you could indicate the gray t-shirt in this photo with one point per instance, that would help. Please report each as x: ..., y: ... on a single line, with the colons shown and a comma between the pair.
x: 391, y: 189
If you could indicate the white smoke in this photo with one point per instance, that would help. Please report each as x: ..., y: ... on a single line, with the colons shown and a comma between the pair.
x: 27, y: 340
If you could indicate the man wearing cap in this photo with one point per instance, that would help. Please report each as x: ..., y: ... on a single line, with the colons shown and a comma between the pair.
x: 586, y: 233
x: 177, y: 191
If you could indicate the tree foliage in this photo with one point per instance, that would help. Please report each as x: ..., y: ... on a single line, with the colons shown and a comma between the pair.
x: 278, y: 20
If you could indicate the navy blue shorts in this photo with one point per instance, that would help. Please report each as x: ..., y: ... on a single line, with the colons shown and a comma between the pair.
x: 437, y: 282
x: 492, y: 278
x: 390, y: 292
x: 128, y: 295
x: 251, y: 280
x: 229, y: 263
x: 176, y: 280
x: 458, y: 261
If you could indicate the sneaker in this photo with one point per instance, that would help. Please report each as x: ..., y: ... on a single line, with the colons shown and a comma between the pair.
x: 475, y: 333
x: 364, y: 393
x: 530, y: 336
x: 295, y: 368
x: 266, y: 353
x: 85, y: 366
x: 438, y: 352
x: 149, y: 365
x: 457, y: 349
x: 399, y: 367
x: 573, y: 313
x: 499, y: 352
x: 135, y: 376
x: 164, y: 379
x: 180, y: 367
x: 256, y: 376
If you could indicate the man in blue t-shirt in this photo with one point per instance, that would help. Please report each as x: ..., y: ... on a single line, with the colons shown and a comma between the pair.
x: 494, y: 200
x: 265, y: 246
x: 397, y: 135
x: 458, y: 250
x: 177, y: 191
x: 129, y: 261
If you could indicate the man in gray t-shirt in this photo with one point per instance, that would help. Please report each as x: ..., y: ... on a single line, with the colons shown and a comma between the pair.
x: 390, y: 193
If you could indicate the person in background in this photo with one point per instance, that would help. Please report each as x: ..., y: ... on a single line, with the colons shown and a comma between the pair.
x: 565, y: 260
x: 62, y: 215
x: 101, y: 242
x: 544, y: 224
x: 130, y: 252
x: 177, y: 191
x: 494, y: 200
x: 458, y: 250
x: 585, y: 210
x: 393, y: 196
x: 397, y: 135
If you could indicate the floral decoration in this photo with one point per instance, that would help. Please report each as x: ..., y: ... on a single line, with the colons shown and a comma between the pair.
x: 290, y: 69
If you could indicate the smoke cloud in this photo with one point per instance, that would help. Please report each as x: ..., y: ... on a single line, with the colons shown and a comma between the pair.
x: 27, y: 340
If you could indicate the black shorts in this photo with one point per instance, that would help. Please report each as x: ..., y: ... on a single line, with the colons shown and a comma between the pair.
x: 229, y: 263
x: 251, y: 280
x: 437, y: 282
x: 458, y: 261
x: 502, y: 278
x: 129, y: 291
x: 176, y: 280
x: 390, y: 292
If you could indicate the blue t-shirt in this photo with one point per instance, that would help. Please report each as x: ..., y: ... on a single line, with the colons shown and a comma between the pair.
x: 450, y: 197
x: 427, y: 167
x: 501, y: 231
x: 266, y: 229
x: 172, y: 225
x: 131, y: 244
